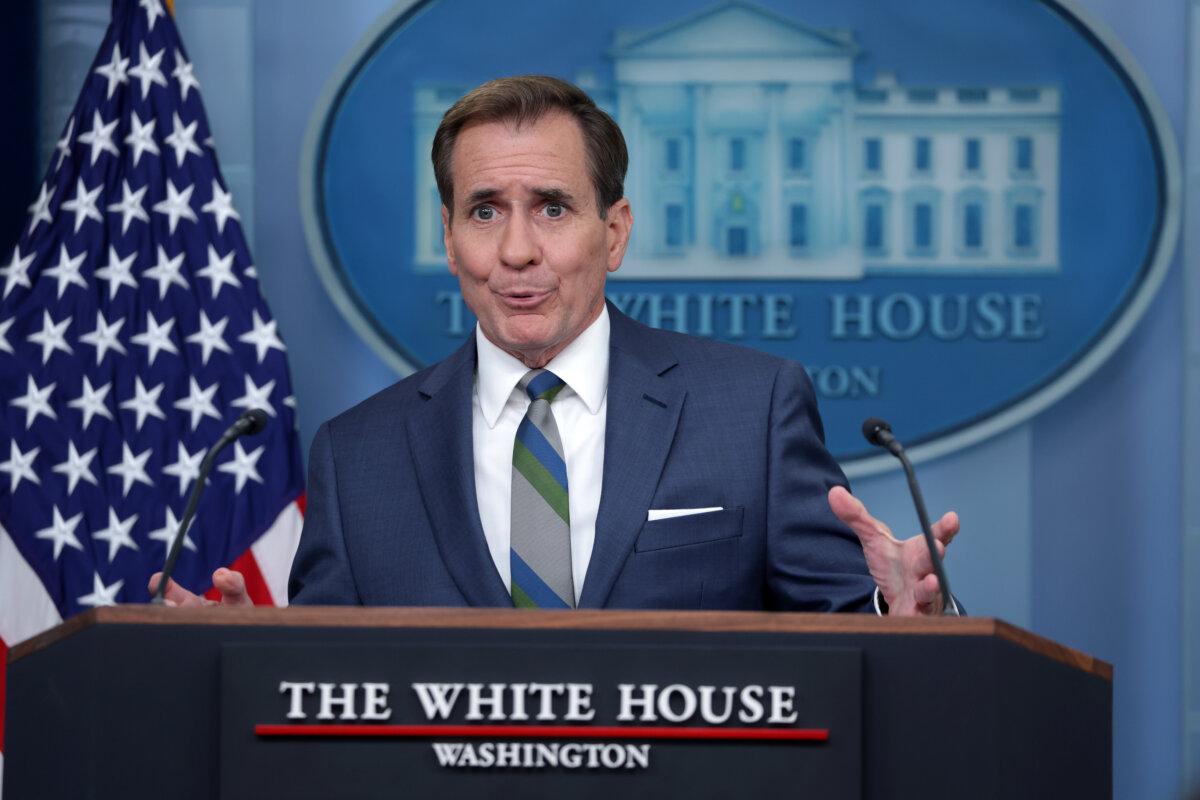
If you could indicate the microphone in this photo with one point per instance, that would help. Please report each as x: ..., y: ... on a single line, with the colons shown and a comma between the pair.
x: 249, y: 423
x: 879, y: 433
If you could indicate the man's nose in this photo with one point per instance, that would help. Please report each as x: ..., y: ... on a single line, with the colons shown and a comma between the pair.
x: 518, y: 246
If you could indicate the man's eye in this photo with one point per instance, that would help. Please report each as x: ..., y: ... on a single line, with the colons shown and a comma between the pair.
x: 555, y: 210
x: 484, y: 213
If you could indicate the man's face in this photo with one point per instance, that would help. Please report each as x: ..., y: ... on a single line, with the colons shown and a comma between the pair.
x: 526, y: 241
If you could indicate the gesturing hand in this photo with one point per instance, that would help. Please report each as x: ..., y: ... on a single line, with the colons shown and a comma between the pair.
x: 902, y: 570
x: 228, y: 582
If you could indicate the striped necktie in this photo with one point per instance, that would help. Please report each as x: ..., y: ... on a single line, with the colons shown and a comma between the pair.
x: 541, y: 517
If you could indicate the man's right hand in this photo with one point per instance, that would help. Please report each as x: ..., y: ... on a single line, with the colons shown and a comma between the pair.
x: 228, y: 582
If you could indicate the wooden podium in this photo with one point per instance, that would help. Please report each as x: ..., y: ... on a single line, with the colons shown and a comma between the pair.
x: 448, y: 703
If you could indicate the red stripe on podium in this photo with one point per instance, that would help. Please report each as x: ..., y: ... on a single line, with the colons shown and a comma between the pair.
x: 547, y: 732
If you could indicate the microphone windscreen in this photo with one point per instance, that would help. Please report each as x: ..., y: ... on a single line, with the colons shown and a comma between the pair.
x: 871, y: 429
x: 256, y: 420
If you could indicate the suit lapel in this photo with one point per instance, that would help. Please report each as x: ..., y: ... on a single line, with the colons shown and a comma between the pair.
x: 440, y: 440
x: 644, y: 404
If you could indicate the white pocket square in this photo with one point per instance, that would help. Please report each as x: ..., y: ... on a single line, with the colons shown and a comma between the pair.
x: 667, y: 513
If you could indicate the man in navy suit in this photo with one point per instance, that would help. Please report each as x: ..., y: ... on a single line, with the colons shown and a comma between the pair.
x: 696, y: 470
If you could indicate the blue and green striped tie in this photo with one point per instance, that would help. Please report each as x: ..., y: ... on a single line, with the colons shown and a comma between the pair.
x: 541, y: 516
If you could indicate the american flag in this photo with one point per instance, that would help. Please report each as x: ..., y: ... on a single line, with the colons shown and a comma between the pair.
x: 132, y: 333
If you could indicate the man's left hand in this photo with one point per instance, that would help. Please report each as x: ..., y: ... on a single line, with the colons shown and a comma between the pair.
x: 902, y: 570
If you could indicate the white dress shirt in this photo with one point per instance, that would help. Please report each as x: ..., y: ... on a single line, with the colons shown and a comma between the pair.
x: 498, y: 407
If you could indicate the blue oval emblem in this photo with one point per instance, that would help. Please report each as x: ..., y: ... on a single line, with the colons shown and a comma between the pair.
x: 950, y: 211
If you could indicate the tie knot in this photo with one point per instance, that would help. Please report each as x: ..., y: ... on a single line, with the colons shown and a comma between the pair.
x: 542, y: 384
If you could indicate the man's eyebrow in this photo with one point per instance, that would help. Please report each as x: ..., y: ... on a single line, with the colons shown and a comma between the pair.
x: 553, y: 195
x: 481, y: 195
x: 545, y: 193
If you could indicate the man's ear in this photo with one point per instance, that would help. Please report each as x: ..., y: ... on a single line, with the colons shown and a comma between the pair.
x: 448, y: 242
x: 620, y: 224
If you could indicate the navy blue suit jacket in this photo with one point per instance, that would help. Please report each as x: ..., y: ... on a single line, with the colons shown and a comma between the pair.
x: 392, y: 517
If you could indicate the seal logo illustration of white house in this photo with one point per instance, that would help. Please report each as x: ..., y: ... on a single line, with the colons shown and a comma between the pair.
x: 950, y: 211
x: 754, y: 154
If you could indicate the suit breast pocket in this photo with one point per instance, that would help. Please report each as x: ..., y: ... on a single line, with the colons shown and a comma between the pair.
x: 713, y: 526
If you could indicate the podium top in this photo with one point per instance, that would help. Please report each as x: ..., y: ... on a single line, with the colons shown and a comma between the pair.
x: 520, y: 619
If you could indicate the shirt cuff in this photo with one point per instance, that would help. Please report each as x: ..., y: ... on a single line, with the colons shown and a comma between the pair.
x: 881, y: 606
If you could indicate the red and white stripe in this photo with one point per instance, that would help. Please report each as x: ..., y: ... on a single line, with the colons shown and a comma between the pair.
x: 26, y: 608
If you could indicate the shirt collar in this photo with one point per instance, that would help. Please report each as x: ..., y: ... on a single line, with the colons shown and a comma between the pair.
x: 583, y: 365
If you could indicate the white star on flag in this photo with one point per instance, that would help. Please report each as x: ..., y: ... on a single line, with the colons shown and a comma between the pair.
x: 166, y: 534
x: 100, y: 138
x: 91, y: 402
x: 114, y: 71
x: 16, y: 273
x: 61, y: 532
x: 183, y: 74
x: 19, y: 466
x: 5, y: 347
x: 104, y: 337
x: 144, y: 403
x: 117, y: 534
x: 63, y: 145
x: 84, y: 203
x: 154, y: 10
x: 220, y: 206
x: 132, y: 469
x: 263, y: 336
x: 243, y: 465
x: 76, y: 467
x: 101, y: 595
x: 147, y: 70
x: 156, y: 338
x: 51, y: 337
x: 177, y: 206
x: 40, y: 208
x: 118, y: 271
x: 166, y: 272
x: 35, y: 401
x: 256, y: 396
x: 199, y: 402
x: 211, y: 336
x: 66, y: 271
x: 130, y: 207
x: 183, y: 139
x: 219, y: 271
x: 141, y: 137
x: 186, y: 468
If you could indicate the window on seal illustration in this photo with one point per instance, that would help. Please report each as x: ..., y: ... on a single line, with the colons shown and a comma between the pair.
x: 737, y: 241
x: 922, y: 235
x: 872, y: 156
x: 971, y: 218
x: 973, y: 156
x: 973, y: 226
x: 798, y: 227
x: 797, y: 156
x: 737, y: 154
x: 1022, y: 156
x: 921, y: 217
x: 674, y: 226
x: 874, y: 204
x: 922, y: 155
x: 1024, y: 206
x: 673, y: 157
